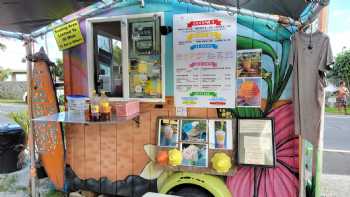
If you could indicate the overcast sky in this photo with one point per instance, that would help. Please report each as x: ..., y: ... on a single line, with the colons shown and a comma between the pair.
x: 338, y: 30
x: 15, y: 52
x: 339, y: 24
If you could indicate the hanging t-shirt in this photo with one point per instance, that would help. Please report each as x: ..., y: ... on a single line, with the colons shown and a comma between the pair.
x: 310, y: 56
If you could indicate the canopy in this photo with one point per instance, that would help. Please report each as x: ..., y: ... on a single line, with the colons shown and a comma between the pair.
x: 288, y: 8
x: 25, y: 16
x: 31, y: 17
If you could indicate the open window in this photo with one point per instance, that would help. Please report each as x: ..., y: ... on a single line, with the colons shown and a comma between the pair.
x: 125, y: 57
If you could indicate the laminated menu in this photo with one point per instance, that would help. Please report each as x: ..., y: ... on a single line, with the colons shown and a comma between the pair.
x: 205, y: 60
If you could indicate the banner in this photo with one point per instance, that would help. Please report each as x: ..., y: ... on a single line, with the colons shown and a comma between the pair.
x: 205, y: 60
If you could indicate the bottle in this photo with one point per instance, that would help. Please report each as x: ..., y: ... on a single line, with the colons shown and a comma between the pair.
x: 87, y: 111
x: 105, y: 107
x: 94, y: 107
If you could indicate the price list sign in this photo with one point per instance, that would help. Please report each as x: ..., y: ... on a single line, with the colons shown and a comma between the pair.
x: 205, y: 60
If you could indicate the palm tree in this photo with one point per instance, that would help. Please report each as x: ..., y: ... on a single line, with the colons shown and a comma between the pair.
x: 4, y: 73
x: 2, y: 46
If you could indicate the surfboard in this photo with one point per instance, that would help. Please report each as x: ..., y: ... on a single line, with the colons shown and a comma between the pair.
x: 47, y: 135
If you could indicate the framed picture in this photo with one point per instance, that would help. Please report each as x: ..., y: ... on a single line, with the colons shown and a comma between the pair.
x: 168, y: 133
x: 249, y: 63
x: 195, y: 155
x: 194, y: 130
x: 248, y: 92
x: 220, y: 134
x: 256, y: 144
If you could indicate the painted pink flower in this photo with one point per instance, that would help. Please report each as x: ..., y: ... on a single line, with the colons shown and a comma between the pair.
x: 273, y: 182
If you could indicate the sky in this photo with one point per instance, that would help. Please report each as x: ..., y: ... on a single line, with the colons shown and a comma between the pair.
x: 14, y: 53
x: 339, y: 25
x: 338, y: 31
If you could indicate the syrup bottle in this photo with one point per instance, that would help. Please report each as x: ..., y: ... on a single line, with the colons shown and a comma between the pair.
x: 95, y: 107
x: 105, y: 107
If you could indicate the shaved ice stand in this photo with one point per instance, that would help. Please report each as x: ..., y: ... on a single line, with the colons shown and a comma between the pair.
x: 211, y: 87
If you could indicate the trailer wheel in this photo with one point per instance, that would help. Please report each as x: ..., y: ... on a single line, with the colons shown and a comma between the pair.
x: 190, y: 191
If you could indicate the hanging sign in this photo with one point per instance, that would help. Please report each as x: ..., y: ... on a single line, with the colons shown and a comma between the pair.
x: 68, y: 35
x: 205, y: 60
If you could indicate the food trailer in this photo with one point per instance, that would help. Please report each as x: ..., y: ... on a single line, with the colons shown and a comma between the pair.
x: 214, y: 90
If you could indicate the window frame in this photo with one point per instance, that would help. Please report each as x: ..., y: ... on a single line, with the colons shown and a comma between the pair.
x: 125, y: 54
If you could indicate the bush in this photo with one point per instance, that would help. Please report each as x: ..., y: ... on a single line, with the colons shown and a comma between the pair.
x: 22, y: 119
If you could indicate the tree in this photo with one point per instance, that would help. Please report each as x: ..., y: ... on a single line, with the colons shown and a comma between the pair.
x: 4, y: 73
x: 57, y: 70
x: 2, y: 46
x: 117, y: 55
x: 341, y: 68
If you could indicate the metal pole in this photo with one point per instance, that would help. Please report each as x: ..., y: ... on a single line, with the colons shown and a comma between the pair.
x: 29, y: 46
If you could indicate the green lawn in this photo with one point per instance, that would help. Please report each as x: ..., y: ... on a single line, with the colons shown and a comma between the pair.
x: 334, y: 110
x: 10, y: 101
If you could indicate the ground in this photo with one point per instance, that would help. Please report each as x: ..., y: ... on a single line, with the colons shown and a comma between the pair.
x: 6, y: 108
x: 336, y: 158
x: 335, y: 181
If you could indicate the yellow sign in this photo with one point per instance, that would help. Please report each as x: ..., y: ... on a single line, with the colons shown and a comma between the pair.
x: 214, y: 35
x: 68, y: 35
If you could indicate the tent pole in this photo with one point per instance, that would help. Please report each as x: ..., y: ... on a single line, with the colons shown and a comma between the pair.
x: 29, y: 46
x: 279, y: 19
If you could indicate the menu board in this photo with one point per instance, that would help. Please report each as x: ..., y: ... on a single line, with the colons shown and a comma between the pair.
x: 205, y: 60
x: 256, y: 142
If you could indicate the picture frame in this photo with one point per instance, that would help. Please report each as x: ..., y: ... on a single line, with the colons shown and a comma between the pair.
x: 198, y: 151
x: 249, y: 63
x: 221, y: 134
x: 248, y: 92
x: 168, y: 133
x: 194, y: 130
x: 256, y: 142
x: 194, y: 155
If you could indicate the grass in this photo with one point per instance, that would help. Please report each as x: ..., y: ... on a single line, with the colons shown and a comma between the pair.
x: 334, y: 110
x: 53, y: 193
x: 10, y: 101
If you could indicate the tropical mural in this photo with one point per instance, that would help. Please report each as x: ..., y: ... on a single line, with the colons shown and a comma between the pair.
x: 283, y: 180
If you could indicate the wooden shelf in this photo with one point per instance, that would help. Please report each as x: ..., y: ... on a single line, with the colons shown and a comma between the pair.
x: 66, y: 117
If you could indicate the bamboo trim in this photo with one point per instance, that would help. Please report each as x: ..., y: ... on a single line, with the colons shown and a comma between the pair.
x: 29, y: 47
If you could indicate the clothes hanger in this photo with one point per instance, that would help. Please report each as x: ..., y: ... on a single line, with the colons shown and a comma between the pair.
x: 304, y: 28
x: 310, y: 40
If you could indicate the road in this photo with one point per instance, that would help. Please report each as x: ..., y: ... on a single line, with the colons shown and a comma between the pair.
x: 6, y: 108
x: 336, y: 157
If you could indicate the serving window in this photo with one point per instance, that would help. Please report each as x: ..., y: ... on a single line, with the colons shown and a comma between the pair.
x: 125, y: 57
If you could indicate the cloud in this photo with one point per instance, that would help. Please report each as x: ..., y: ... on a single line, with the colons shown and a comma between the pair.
x: 339, y: 40
x: 12, y: 56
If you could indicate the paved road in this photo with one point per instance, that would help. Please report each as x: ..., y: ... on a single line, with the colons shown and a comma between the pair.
x: 337, y: 132
x: 336, y: 157
x: 5, y: 109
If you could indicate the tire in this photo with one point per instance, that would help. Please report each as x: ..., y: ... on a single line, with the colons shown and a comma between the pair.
x: 191, y: 191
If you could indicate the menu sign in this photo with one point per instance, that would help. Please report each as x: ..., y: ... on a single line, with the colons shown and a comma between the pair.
x: 256, y: 142
x: 205, y: 60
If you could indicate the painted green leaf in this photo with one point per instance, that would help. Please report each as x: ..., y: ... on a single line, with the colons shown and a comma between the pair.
x: 251, y: 43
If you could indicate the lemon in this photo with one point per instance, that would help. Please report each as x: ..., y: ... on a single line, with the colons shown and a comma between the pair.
x: 175, y: 157
x: 221, y: 162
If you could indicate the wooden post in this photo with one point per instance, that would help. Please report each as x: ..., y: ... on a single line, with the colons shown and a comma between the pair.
x: 29, y: 46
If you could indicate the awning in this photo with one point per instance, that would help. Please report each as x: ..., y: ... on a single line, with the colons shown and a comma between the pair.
x: 25, y: 16
x: 20, y: 17
x: 288, y: 8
